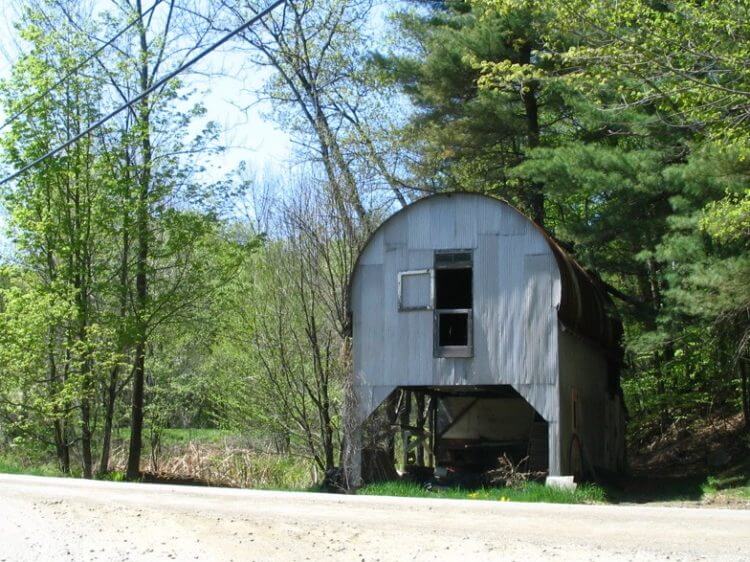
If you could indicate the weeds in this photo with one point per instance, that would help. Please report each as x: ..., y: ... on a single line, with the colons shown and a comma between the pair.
x: 113, y: 476
x: 190, y: 456
x: 218, y: 458
x: 512, y: 475
x: 527, y: 492
x: 11, y: 464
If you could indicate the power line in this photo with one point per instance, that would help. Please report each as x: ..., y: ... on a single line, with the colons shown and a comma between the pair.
x: 78, y: 67
x: 148, y: 91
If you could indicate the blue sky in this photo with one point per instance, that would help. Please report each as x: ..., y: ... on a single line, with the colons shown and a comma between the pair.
x: 251, y: 136
x: 227, y: 92
x: 229, y: 100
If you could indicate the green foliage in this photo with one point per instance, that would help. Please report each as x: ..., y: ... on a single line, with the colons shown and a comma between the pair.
x: 738, y: 484
x: 529, y: 492
x: 610, y: 123
x: 687, y: 60
x: 15, y: 462
x: 641, y: 162
x: 465, y: 136
x: 279, y: 472
x: 277, y: 362
x: 91, y: 227
x: 728, y: 219
x: 114, y: 476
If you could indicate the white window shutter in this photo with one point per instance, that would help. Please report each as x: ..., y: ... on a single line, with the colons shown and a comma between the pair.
x: 415, y: 290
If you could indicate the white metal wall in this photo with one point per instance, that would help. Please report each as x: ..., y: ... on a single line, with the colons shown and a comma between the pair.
x: 516, y: 296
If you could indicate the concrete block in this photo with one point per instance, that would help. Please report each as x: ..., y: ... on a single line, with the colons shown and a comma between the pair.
x: 561, y: 482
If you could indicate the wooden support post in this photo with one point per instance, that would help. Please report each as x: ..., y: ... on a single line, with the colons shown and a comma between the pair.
x: 432, y: 421
x: 405, y: 422
x: 420, y: 421
x: 392, y: 412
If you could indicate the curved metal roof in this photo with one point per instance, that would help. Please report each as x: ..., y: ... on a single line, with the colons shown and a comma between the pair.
x: 585, y: 306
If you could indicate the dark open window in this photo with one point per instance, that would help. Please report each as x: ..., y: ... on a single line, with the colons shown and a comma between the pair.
x: 453, y: 304
x: 453, y: 288
x: 454, y: 329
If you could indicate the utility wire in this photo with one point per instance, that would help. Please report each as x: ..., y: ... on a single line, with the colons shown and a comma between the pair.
x: 148, y: 91
x: 78, y: 67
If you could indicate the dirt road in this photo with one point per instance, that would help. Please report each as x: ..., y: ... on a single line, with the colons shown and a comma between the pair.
x: 49, y: 520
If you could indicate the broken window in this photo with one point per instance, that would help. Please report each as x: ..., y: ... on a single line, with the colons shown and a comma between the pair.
x: 453, y: 304
x: 415, y: 290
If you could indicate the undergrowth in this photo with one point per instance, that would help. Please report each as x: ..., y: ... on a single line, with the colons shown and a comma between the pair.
x: 13, y: 464
x: 529, y: 492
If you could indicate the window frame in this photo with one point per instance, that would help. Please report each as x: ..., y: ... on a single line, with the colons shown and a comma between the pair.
x: 456, y: 351
x: 414, y: 273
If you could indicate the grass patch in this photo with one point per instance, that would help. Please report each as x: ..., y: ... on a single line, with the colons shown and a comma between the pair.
x: 713, y: 484
x: 734, y: 485
x: 276, y: 472
x: 736, y: 493
x: 113, y: 476
x: 192, y: 435
x: 10, y: 464
x: 173, y: 436
x: 531, y: 492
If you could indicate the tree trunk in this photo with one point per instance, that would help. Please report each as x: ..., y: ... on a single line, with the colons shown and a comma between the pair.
x: 744, y: 376
x: 80, y: 265
x: 109, y: 414
x: 393, y: 406
x: 86, y: 386
x: 88, y: 464
x: 535, y: 199
x: 329, y: 447
x: 61, y: 439
x: 405, y: 422
x: 61, y: 446
x: 86, y: 432
x: 333, y: 160
x: 111, y: 395
x: 136, y: 414
x: 141, y: 279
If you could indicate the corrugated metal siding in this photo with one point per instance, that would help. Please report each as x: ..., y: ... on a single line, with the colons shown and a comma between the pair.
x: 465, y: 215
x: 373, y: 252
x: 418, y: 225
x: 390, y: 364
x: 416, y: 290
x: 583, y: 368
x: 516, y: 292
x: 395, y: 235
x: 442, y: 224
x: 539, y: 324
x: 368, y: 327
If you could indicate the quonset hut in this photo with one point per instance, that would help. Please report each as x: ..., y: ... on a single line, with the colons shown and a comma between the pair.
x: 469, y: 313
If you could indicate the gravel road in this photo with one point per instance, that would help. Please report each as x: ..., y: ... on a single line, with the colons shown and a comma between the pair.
x: 50, y: 520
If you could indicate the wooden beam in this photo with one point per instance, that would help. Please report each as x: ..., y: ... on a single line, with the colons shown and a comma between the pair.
x: 461, y: 414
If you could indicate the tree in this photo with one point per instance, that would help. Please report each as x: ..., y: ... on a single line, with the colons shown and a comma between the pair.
x: 682, y: 97
x: 282, y: 347
x: 118, y: 224
x: 37, y: 403
x: 322, y: 91
x: 487, y: 88
x: 60, y: 211
x: 156, y: 171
